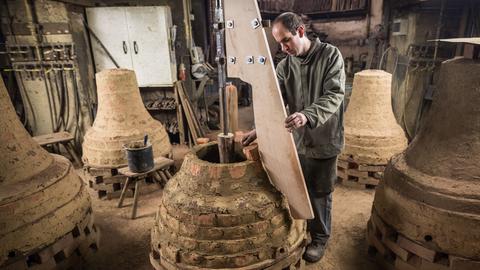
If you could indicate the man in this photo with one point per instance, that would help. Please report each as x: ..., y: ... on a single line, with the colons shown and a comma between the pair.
x: 312, y: 82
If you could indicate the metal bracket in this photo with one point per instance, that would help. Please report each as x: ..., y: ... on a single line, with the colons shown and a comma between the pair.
x: 262, y: 60
x: 249, y: 60
x: 255, y: 23
x: 232, y: 59
x: 230, y: 24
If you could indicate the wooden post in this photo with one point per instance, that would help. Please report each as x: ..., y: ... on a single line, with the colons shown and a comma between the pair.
x: 232, y: 108
x: 225, y: 147
x: 135, y: 198
x: 181, y: 130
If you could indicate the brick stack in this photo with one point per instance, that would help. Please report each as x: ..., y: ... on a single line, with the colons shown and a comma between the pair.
x: 121, y: 118
x: 224, y: 216
x: 426, y: 211
x: 45, y: 210
x: 372, y: 135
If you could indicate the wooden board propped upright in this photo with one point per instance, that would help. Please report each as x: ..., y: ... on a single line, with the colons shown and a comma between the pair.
x: 249, y: 58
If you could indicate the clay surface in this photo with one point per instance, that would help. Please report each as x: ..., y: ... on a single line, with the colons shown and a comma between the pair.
x: 216, y: 215
x: 121, y: 118
x: 430, y: 193
x: 41, y: 198
x: 372, y: 135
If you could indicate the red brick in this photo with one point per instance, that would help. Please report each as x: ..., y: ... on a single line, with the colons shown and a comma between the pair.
x: 205, y: 220
x: 251, y: 152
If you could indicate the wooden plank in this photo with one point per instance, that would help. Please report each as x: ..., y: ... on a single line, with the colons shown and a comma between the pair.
x: 384, y: 229
x: 400, y: 252
x: 192, y: 120
x: 159, y: 163
x: 193, y: 115
x: 342, y: 174
x: 276, y: 145
x: 371, y: 168
x: 413, y: 263
x: 84, y: 3
x: 368, y: 181
x: 374, y: 241
x: 57, y: 137
x: 181, y: 130
x: 357, y: 173
x: 342, y: 164
x: 416, y: 249
x: 439, y: 265
x: 458, y: 263
x: 191, y: 125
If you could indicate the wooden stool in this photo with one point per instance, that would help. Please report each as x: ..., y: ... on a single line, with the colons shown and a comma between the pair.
x: 64, y: 138
x: 159, y: 172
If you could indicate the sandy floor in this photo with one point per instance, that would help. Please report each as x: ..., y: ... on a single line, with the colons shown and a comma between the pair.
x: 125, y: 243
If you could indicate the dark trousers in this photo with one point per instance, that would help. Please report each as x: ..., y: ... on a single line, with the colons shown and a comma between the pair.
x: 320, y: 177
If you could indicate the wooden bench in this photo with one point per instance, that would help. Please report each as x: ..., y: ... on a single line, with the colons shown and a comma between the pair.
x: 60, y: 138
x: 159, y: 172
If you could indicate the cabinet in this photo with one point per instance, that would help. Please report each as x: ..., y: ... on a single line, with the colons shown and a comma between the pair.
x: 138, y: 38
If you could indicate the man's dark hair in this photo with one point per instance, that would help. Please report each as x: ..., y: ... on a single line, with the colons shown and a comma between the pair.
x: 290, y: 20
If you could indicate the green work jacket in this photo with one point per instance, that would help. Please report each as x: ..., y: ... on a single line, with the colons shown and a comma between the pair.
x: 315, y: 86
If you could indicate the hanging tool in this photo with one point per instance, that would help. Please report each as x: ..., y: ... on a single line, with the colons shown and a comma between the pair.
x: 225, y: 139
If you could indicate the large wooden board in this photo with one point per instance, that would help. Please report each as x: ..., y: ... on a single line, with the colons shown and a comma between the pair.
x: 276, y: 145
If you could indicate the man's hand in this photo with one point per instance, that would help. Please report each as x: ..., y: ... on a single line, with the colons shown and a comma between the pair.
x: 294, y: 121
x: 249, y: 137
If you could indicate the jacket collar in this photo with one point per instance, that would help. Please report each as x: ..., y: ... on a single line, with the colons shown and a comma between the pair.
x: 314, y: 46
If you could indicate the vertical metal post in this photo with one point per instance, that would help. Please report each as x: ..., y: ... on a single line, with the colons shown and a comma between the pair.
x: 225, y: 139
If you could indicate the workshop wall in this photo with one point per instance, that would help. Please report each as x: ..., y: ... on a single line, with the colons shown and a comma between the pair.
x: 42, y: 56
x: 356, y: 37
x: 29, y: 23
x: 355, y: 27
x: 414, y: 59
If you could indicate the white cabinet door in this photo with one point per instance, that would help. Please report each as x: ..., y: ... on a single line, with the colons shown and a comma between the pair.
x: 110, y: 25
x: 153, y: 57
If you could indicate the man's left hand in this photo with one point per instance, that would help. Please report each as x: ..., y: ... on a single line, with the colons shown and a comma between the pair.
x: 294, y: 121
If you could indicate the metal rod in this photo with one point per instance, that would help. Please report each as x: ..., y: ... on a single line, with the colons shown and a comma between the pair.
x: 219, y: 28
x: 225, y: 139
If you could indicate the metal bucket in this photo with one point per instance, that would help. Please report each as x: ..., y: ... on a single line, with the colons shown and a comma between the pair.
x: 139, y: 156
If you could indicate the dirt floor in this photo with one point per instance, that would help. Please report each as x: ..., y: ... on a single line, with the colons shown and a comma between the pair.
x: 125, y: 243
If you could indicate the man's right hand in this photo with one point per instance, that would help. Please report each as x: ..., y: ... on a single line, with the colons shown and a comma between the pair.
x: 249, y: 137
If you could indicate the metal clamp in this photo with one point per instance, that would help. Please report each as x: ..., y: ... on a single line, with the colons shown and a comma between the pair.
x: 230, y: 24
x: 255, y: 23
x: 249, y: 60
